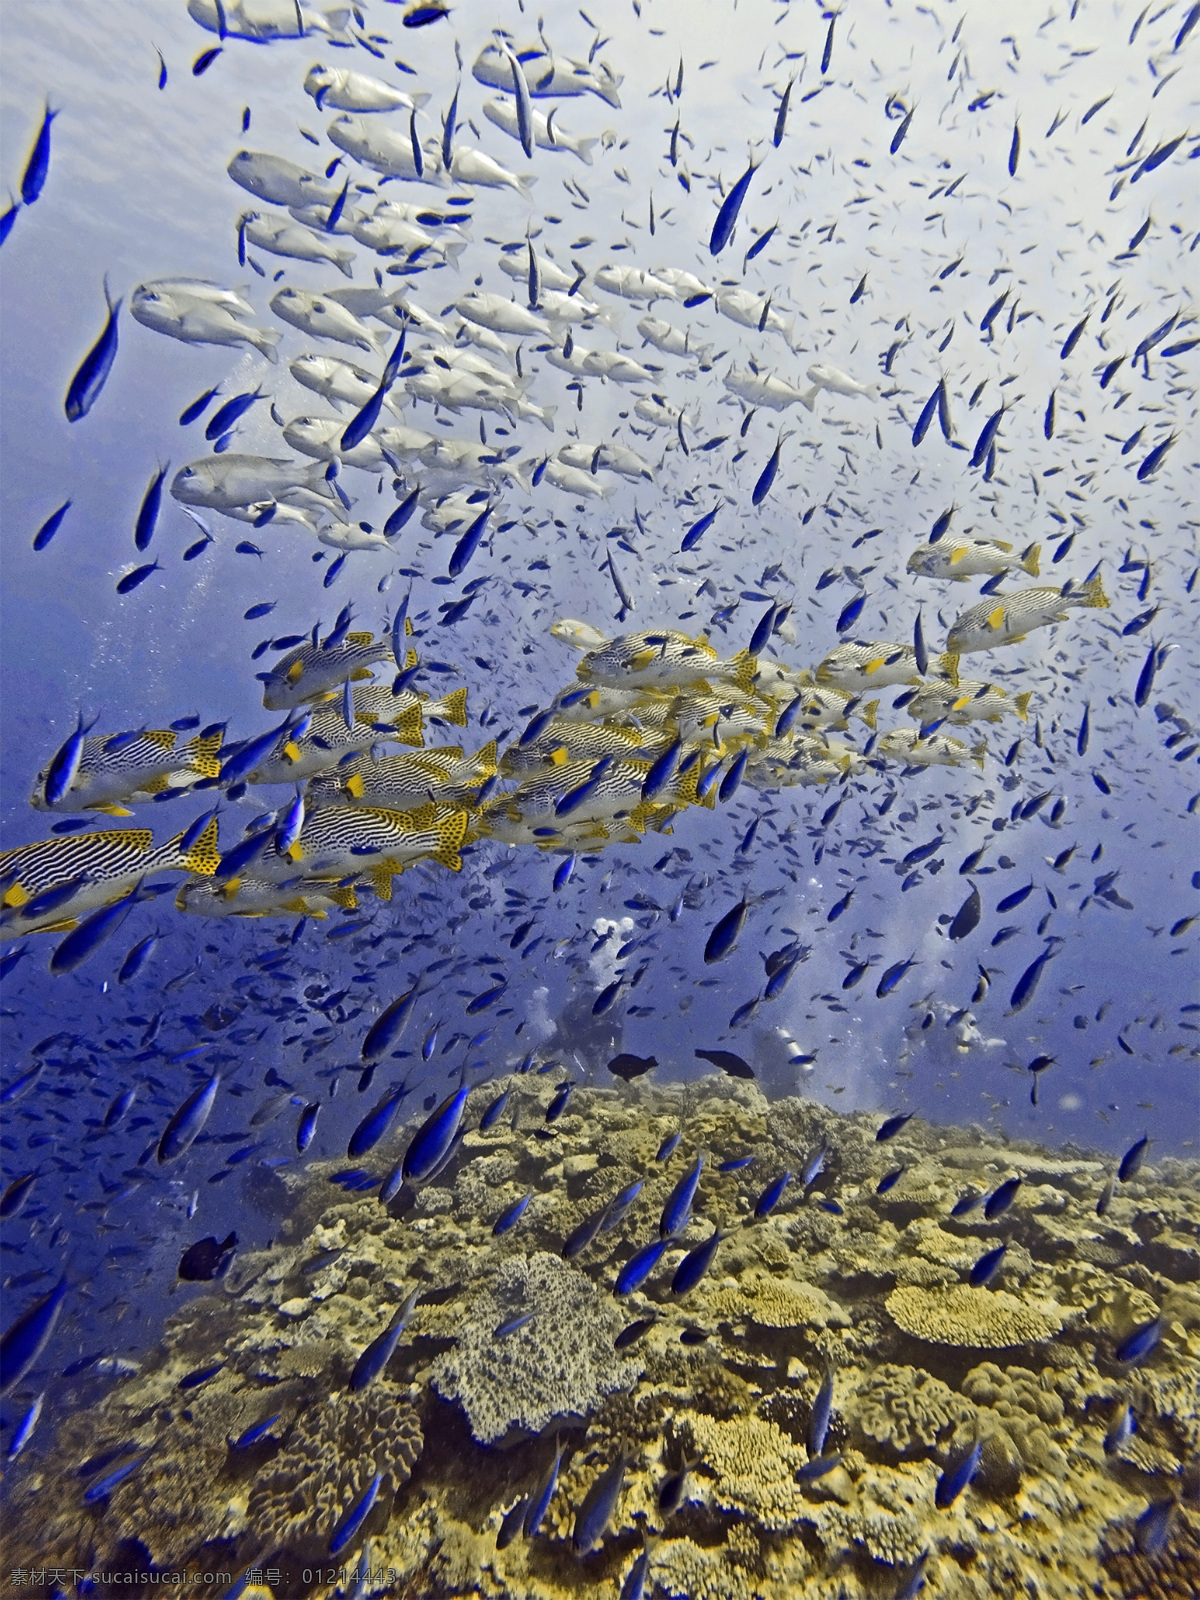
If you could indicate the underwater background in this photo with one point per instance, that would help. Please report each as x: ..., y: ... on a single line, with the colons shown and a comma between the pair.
x: 865, y: 984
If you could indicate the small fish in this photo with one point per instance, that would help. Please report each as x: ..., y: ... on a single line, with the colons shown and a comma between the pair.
x: 509, y: 1219
x: 358, y: 1513
x: 678, y: 1208
x: 727, y: 216
x: 640, y: 1265
x: 766, y: 477
x: 1132, y: 1159
x: 37, y: 166
x: 986, y: 1268
x: 388, y: 1026
x: 379, y: 1352
x: 599, y: 1504
x: 818, y: 1421
x: 1028, y: 981
x: 1136, y: 1346
x: 696, y: 1263
x: 1000, y: 1199
x: 24, y: 1429
x: 51, y: 526
x: 376, y: 1124
x: 1153, y: 1526
x: 892, y: 1126
x: 724, y: 935
x: 431, y: 1145
x: 539, y: 1501
x: 955, y: 1479
x: 633, y: 1331
x: 1121, y: 1429
x: 105, y: 1486
x: 92, y: 373
x: 26, y: 1338
x: 207, y: 1259
x: 727, y: 1062
x: 188, y: 1122
x: 771, y: 1195
x: 255, y: 1433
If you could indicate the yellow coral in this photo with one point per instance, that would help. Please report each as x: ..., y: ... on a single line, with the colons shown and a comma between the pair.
x: 773, y: 1303
x: 755, y: 1465
x: 977, y: 1319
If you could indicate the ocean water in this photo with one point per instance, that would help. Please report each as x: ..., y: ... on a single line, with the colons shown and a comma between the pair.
x: 898, y: 1042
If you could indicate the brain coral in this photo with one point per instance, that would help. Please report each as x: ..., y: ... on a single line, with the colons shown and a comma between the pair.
x: 902, y: 1407
x: 332, y: 1453
x: 560, y: 1363
x: 977, y: 1319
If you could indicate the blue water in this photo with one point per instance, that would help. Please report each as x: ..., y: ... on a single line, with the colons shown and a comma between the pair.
x: 137, y: 190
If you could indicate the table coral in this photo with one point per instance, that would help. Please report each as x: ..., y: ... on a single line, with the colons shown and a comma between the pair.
x: 982, y: 1319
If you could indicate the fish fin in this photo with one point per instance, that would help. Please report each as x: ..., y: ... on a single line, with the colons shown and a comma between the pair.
x: 360, y: 638
x: 155, y: 785
x: 421, y: 817
x: 643, y: 658
x: 1031, y: 560
x: 408, y: 726
x: 978, y: 753
x: 949, y: 666
x: 344, y: 897
x: 452, y: 830
x: 204, y: 856
x: 1022, y: 705
x: 1002, y: 544
x: 380, y: 878
x: 963, y: 700
x: 745, y: 670
x: 867, y: 713
x: 359, y: 674
x: 639, y: 818
x: 112, y: 810
x: 995, y: 619
x: 229, y: 888
x: 484, y: 760
x: 447, y: 858
x: 202, y: 755
x: 295, y: 672
x: 66, y: 925
x: 1095, y: 594
x: 292, y: 750
x: 410, y: 656
x: 18, y: 895
x: 957, y: 555
x: 354, y: 786
x: 1018, y: 637
x: 455, y: 708
x: 560, y: 756
x: 295, y: 853
x: 162, y: 737
x: 870, y: 667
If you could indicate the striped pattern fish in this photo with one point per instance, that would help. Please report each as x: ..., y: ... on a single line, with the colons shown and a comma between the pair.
x: 133, y: 767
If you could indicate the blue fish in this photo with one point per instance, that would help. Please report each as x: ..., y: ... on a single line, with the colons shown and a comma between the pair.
x: 388, y: 1026
x: 188, y: 1122
x: 986, y: 437
x: 725, y: 933
x: 468, y: 544
x: 667, y: 1148
x: 381, y: 1349
x: 640, y: 1265
x: 1136, y: 1346
x: 255, y: 1433
x: 17, y: 1193
x: 698, y: 529
x: 433, y: 1141
x: 509, y: 1219
x: 137, y: 958
x: 1121, y: 1429
x: 358, y: 1513
x: 1152, y: 1527
x: 766, y: 477
x: 1132, y: 1159
x: 25, y: 1339
x: 662, y: 771
x: 893, y: 975
x: 105, y: 1486
x: 539, y: 1501
x: 51, y: 526
x: 1028, y: 981
x: 83, y: 941
x: 84, y: 388
x: 616, y: 1209
x: 494, y: 1112
x: 198, y: 406
x: 892, y: 1126
x: 193, y: 1380
x: 375, y: 1125
x: 574, y: 798
x: 986, y: 1268
x: 1013, y: 900
x: 1000, y: 1199
x: 771, y: 1195
x: 818, y: 1421
x: 37, y: 167
x: 955, y: 1479
x: 890, y: 1180
x: 599, y: 1504
x: 118, y: 1108
x: 728, y: 214
x: 678, y: 1208
x: 696, y: 1263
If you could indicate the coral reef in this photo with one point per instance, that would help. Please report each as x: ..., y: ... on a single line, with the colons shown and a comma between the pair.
x: 461, y: 1424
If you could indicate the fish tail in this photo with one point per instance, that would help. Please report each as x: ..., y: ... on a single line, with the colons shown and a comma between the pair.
x: 344, y: 897
x: 979, y: 753
x: 483, y: 762
x: 202, y: 859
x: 380, y: 879
x: 745, y: 670
x: 1031, y: 560
x: 409, y: 726
x: 202, y: 755
x: 265, y: 341
x: 1022, y: 705
x: 451, y: 708
x: 809, y: 398
x: 867, y: 713
x: 949, y: 667
x: 583, y: 149
x: 344, y: 262
x: 1092, y: 594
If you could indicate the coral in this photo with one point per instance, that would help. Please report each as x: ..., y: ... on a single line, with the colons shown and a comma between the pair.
x: 901, y: 1407
x: 687, y: 1571
x: 1021, y: 1411
x: 557, y: 1365
x: 980, y: 1319
x: 334, y: 1450
x: 773, y: 1303
x: 754, y: 1464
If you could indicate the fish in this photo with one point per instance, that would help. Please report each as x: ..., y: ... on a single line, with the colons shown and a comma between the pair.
x: 377, y: 1123
x: 37, y: 163
x: 725, y: 933
x: 1001, y: 1198
x: 696, y: 1263
x: 727, y: 216
x: 207, y: 1259
x: 729, y: 1063
x: 1027, y: 983
x: 628, y: 1066
x: 388, y: 1027
x: 432, y: 1144
x: 348, y: 1526
x: 188, y: 1121
x: 954, y: 1479
x: 374, y: 1359
x: 960, y: 560
x: 1131, y: 1161
x: 1140, y: 1343
x: 985, y: 1270
x: 772, y: 1194
x: 891, y: 1126
x: 1007, y: 620
x: 819, y: 1417
x: 538, y: 1502
x: 966, y: 918
x: 92, y: 373
x: 598, y: 1506
x: 25, y: 1339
